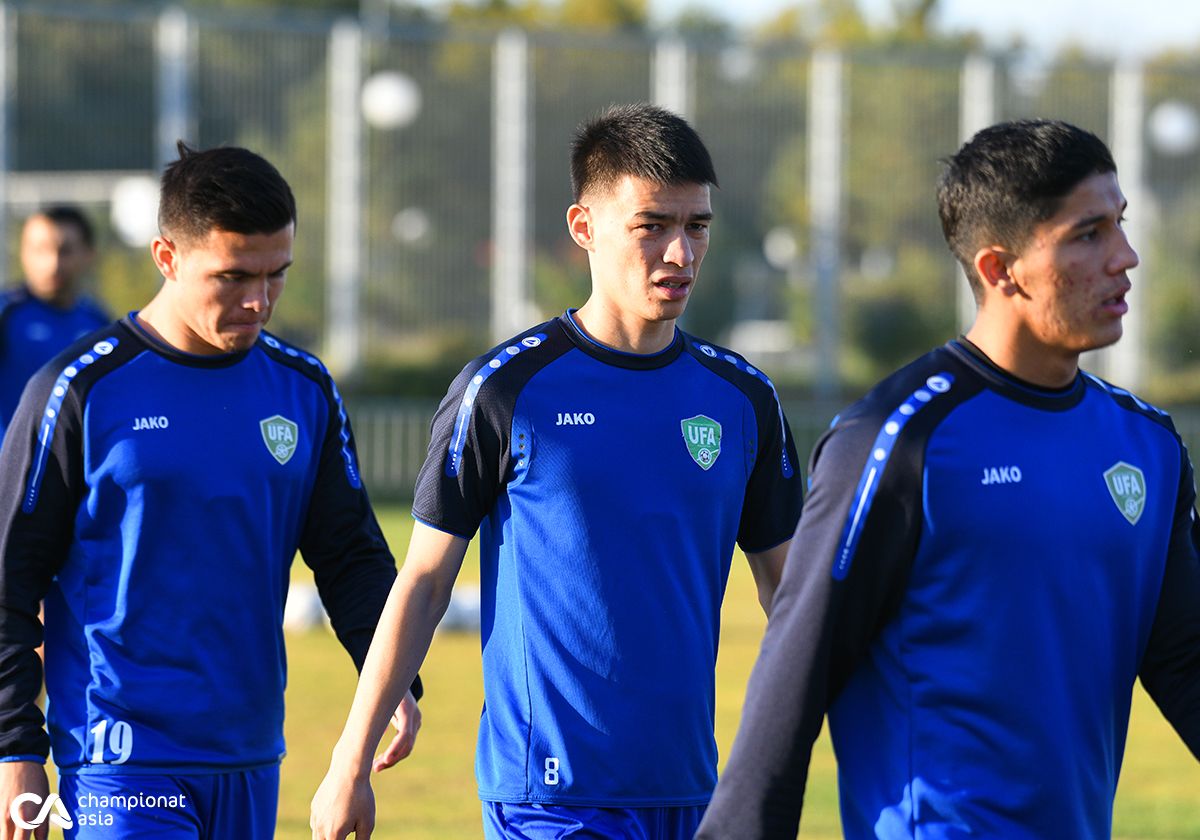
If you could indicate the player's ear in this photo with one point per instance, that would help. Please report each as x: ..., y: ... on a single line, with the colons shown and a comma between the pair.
x: 993, y: 265
x: 166, y: 256
x: 579, y: 223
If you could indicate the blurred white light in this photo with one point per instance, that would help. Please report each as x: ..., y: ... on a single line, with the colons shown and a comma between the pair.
x: 411, y: 225
x: 303, y: 610
x: 738, y: 64
x: 780, y: 248
x: 390, y: 100
x: 1174, y: 127
x: 134, y: 210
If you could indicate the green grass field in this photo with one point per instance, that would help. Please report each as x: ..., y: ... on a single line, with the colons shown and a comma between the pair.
x: 431, y: 796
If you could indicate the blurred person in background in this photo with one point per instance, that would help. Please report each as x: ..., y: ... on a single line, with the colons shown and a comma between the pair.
x: 48, y: 310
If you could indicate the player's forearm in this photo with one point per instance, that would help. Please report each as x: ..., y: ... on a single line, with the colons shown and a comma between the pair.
x: 414, y: 607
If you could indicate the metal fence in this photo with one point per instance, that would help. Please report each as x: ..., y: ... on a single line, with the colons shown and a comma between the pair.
x: 393, y: 438
x: 430, y: 167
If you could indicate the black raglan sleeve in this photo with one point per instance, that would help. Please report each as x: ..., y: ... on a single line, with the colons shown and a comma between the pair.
x: 41, y: 489
x: 342, y: 542
x: 820, y: 627
x: 1170, y: 670
x: 775, y: 491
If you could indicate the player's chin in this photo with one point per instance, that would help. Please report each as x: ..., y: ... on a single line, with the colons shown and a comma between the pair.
x: 241, y: 337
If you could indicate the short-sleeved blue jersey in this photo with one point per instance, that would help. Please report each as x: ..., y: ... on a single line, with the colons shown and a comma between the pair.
x: 983, y: 570
x: 611, y: 488
x: 32, y: 332
x: 155, y: 500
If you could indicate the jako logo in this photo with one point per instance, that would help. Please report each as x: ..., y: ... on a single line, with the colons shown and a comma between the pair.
x: 1001, y: 475
x: 60, y: 817
x: 159, y: 422
x: 585, y: 418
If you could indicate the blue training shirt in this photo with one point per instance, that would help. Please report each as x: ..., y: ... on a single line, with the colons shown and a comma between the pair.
x: 982, y: 571
x: 611, y: 488
x: 32, y: 332
x: 155, y: 500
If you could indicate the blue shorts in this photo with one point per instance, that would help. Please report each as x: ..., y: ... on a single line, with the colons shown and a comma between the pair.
x: 190, y: 807
x: 506, y: 821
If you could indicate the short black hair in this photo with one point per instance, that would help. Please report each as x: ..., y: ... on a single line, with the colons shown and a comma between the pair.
x: 642, y: 140
x: 69, y: 214
x: 1010, y: 177
x: 226, y: 188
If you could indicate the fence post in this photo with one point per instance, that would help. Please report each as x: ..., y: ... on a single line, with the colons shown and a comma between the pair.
x: 1123, y: 363
x: 8, y: 52
x: 344, y: 251
x: 825, y: 199
x: 173, y: 50
x: 976, y: 110
x: 672, y: 76
x: 512, y: 150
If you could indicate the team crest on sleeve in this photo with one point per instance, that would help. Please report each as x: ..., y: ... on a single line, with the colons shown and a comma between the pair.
x: 703, y: 438
x: 1127, y: 486
x: 280, y: 435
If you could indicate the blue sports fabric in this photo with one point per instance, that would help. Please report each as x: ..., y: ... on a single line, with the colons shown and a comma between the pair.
x: 155, y: 500
x: 611, y: 489
x: 205, y: 807
x: 32, y: 332
x: 513, y: 821
x: 982, y: 571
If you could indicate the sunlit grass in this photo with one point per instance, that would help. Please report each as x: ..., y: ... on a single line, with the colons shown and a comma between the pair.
x: 431, y: 796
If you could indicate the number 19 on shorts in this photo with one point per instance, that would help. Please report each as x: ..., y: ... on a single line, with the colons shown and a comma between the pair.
x: 111, y: 746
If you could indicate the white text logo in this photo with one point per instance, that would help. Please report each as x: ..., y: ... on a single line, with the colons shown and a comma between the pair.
x: 578, y: 418
x: 1001, y: 475
x: 140, y: 423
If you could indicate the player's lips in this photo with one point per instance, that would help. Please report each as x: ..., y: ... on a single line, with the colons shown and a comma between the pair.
x: 676, y: 287
x: 1117, y: 305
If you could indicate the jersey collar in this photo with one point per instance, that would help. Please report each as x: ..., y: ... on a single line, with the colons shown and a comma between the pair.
x: 619, y: 358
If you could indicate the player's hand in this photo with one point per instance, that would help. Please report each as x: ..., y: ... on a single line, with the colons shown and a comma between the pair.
x: 342, y: 806
x: 407, y: 720
x: 16, y: 778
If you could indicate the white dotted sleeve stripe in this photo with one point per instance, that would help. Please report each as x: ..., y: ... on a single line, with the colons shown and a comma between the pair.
x: 51, y: 414
x: 462, y: 423
x: 881, y: 451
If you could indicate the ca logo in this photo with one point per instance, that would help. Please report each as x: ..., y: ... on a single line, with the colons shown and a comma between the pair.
x: 52, y: 807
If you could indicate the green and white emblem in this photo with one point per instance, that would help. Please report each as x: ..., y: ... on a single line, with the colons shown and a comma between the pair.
x: 1127, y: 485
x: 280, y: 435
x: 703, y: 438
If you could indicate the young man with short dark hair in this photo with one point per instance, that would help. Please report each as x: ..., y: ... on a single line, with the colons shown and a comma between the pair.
x: 613, y: 461
x: 996, y: 545
x: 159, y: 477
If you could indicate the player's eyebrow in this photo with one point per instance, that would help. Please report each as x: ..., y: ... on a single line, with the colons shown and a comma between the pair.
x: 1096, y: 219
x: 656, y: 216
x: 240, y: 273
